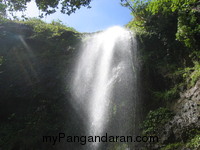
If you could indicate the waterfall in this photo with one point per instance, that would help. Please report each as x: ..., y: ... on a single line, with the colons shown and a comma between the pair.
x: 104, y: 85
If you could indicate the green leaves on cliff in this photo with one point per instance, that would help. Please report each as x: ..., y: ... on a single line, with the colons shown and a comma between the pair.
x: 148, y: 14
x: 194, y: 143
x: 168, y: 95
x: 169, y: 33
x: 187, y: 12
x: 45, y: 30
x: 156, y: 119
x: 32, y: 54
x: 192, y: 74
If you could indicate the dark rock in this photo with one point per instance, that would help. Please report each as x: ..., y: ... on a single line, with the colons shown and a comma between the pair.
x: 187, y: 117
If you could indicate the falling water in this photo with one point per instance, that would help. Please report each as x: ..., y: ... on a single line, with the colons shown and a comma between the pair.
x: 104, y: 84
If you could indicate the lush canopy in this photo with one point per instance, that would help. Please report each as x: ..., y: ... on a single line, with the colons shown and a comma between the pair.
x: 46, y: 6
x: 149, y: 16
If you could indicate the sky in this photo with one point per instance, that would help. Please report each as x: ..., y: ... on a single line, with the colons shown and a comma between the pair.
x: 103, y: 14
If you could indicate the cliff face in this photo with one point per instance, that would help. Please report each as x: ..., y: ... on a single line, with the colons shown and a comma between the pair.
x: 170, y: 85
x: 35, y: 67
x: 185, y: 125
x: 182, y: 131
x: 187, y: 108
x: 170, y: 58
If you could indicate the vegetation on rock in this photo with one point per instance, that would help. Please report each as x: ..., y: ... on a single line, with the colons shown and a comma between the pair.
x: 168, y: 33
x: 155, y: 120
x: 35, y: 59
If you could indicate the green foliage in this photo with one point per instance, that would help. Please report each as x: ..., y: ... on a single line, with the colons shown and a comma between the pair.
x: 56, y: 28
x: 167, y: 95
x: 188, y: 75
x: 3, y: 20
x: 47, y: 6
x: 192, y: 74
x: 56, y: 36
x: 53, y: 38
x: 169, y: 6
x: 169, y: 33
x: 117, y: 146
x: 29, y: 59
x: 156, y: 119
x: 2, y: 10
x: 138, y: 8
x: 189, y: 28
x: 187, y: 18
x: 191, y: 133
x: 194, y: 143
x: 185, y: 11
x: 173, y: 146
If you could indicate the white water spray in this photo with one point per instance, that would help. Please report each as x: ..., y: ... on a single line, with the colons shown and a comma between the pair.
x: 105, y: 78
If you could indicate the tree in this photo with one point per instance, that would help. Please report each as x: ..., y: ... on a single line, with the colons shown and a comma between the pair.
x: 47, y: 6
x: 155, y: 16
x: 2, y: 9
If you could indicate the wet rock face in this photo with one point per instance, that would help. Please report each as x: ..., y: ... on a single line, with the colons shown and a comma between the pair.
x: 188, y: 106
x: 187, y: 110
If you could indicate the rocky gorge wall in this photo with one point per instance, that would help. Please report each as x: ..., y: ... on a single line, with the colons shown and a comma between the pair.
x: 182, y: 132
x: 35, y: 65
